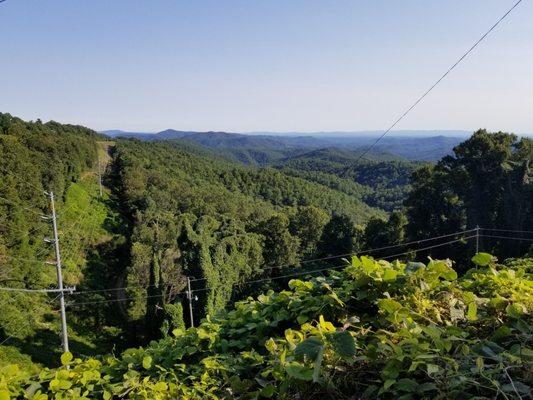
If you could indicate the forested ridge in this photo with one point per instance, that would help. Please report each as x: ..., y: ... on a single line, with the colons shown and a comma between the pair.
x: 380, y: 183
x: 210, y: 219
x: 174, y: 210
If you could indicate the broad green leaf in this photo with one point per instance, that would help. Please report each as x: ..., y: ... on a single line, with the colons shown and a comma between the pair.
x: 471, y: 314
x: 516, y: 310
x: 389, y: 305
x: 267, y: 391
x: 388, y: 383
x: 147, y: 362
x: 480, y: 364
x: 318, y: 365
x: 11, y: 370
x: 160, y: 387
x: 4, y: 395
x: 299, y: 371
x: 310, y: 347
x: 426, y: 387
x: 270, y: 345
x: 502, y: 332
x: 432, y: 368
x: 414, y: 267
x: 482, y: 259
x: 389, y: 275
x: 344, y: 344
x: 326, y: 325
x: 517, y: 386
x: 66, y: 358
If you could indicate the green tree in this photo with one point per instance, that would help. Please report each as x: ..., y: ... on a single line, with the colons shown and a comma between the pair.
x: 280, y: 247
x: 380, y: 233
x: 486, y: 182
x: 340, y: 236
x: 307, y: 223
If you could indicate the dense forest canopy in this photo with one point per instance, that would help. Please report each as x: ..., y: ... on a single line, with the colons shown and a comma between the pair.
x: 219, y: 221
x: 35, y: 157
x: 237, y: 227
x: 487, y: 182
x: 379, y: 183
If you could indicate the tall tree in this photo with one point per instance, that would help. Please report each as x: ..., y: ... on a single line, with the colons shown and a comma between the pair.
x: 340, y: 236
x: 486, y: 182
x: 307, y: 223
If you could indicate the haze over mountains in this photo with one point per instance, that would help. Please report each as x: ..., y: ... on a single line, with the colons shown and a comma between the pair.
x: 410, y: 145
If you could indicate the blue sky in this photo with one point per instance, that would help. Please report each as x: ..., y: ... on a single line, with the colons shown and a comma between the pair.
x: 266, y: 65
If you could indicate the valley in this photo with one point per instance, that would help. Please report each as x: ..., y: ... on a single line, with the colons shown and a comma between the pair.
x: 242, y: 223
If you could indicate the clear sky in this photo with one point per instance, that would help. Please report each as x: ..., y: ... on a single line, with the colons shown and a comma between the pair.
x: 278, y: 65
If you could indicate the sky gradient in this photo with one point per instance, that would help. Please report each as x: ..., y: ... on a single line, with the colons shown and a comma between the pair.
x: 292, y: 65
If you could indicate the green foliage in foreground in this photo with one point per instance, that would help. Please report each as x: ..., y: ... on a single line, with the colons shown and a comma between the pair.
x: 375, y: 329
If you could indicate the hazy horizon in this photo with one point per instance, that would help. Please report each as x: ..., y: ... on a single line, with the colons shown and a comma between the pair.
x: 331, y: 134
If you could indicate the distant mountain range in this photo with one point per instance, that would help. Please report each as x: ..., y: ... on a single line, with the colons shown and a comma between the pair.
x: 410, y: 145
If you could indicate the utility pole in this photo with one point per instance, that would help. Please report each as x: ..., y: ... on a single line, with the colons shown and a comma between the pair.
x: 189, y: 297
x: 477, y: 239
x: 64, y: 333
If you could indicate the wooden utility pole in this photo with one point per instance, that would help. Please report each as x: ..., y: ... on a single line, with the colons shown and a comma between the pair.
x: 477, y: 239
x: 189, y: 297
x: 64, y: 333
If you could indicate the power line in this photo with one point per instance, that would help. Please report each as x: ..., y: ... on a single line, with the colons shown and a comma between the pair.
x: 6, y: 289
x: 300, y: 273
x: 360, y: 252
x: 305, y: 261
x: 128, y: 298
x: 26, y: 324
x: 22, y: 259
x: 429, y: 247
x: 290, y: 275
x: 24, y: 181
x: 344, y: 266
x: 61, y: 212
x: 114, y: 289
x: 20, y: 205
x: 507, y: 237
x: 506, y: 230
x: 439, y: 80
x: 11, y: 300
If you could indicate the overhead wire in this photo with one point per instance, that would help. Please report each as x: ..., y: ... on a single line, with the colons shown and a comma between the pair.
x: 438, y: 81
x: 506, y: 230
x: 20, y: 206
x: 429, y: 247
x: 300, y: 273
x: 30, y: 260
x: 345, y: 265
x: 77, y: 304
x: 359, y: 252
x: 305, y: 261
x: 285, y: 265
x: 25, y: 325
x: 6, y: 289
x: 20, y: 180
x: 507, y: 237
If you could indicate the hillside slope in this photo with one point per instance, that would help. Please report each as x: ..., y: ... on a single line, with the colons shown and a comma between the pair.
x: 213, y: 220
x: 35, y: 157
